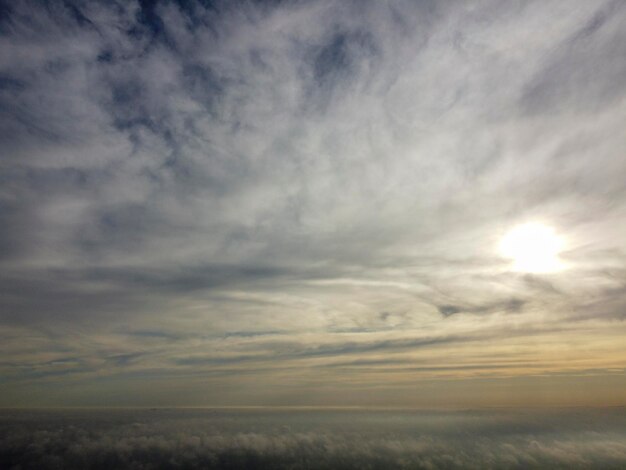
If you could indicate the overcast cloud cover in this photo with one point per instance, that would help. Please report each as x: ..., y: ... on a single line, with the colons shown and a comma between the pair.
x: 300, y: 202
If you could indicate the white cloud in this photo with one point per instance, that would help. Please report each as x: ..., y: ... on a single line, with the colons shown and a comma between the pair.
x: 316, y: 167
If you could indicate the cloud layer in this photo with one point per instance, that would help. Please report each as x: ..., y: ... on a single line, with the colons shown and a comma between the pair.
x: 313, y: 439
x: 203, y: 188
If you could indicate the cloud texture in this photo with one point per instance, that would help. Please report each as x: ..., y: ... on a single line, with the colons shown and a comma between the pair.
x: 194, y: 189
x: 313, y: 439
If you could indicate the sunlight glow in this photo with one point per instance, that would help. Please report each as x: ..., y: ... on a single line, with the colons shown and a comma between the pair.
x: 533, y: 247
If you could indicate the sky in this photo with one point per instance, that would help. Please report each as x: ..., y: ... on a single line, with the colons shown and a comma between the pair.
x: 302, y: 203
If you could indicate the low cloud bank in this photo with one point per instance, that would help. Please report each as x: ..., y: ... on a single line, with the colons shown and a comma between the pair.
x: 152, y: 439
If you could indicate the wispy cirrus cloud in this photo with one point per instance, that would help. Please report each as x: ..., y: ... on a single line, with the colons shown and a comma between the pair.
x: 335, y: 174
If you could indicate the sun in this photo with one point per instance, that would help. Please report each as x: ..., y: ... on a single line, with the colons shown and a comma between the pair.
x: 533, y: 247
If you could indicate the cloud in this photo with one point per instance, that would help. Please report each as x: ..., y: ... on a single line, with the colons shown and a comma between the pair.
x: 570, y: 75
x: 204, y: 176
x: 510, y: 305
x: 302, y: 439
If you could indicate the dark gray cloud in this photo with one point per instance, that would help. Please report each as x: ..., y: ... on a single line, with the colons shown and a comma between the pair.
x: 510, y: 305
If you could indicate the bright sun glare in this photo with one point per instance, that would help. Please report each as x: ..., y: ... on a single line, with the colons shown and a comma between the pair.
x: 533, y: 247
